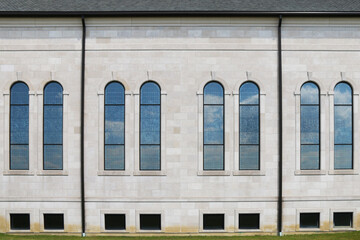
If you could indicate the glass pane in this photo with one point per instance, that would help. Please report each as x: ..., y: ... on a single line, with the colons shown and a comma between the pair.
x: 343, y: 125
x: 249, y: 157
x: 53, y: 157
x: 213, y: 221
x: 310, y: 125
x: 53, y: 124
x: 114, y: 93
x: 213, y: 93
x: 310, y: 157
x: 213, y: 124
x: 249, y: 124
x: 309, y: 220
x: 309, y: 93
x: 19, y: 157
x: 19, y: 124
x: 343, y: 94
x: 343, y: 157
x: 249, y: 221
x: 53, y: 93
x: 114, y: 157
x: 19, y: 93
x: 150, y: 157
x: 114, y: 124
x: 150, y: 125
x: 150, y: 93
x: 343, y: 219
x: 249, y: 93
x: 213, y: 157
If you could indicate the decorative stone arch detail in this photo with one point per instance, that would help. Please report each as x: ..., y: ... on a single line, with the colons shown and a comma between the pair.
x: 222, y: 82
x: 158, y: 82
x: 352, y: 84
x: 9, y: 84
x: 253, y: 80
x: 103, y: 84
x: 310, y: 79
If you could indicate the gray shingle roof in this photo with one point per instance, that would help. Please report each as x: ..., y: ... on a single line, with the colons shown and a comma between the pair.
x: 184, y: 6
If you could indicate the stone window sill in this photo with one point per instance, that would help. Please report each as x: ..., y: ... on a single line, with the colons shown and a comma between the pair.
x: 249, y: 173
x: 310, y: 172
x: 343, y: 172
x: 214, y: 173
x: 52, y: 173
x: 18, y: 172
x: 113, y: 173
x: 149, y: 173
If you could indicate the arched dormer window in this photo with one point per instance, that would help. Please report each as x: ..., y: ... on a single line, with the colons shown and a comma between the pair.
x: 213, y: 126
x: 19, y: 126
x: 310, y: 127
x: 150, y: 126
x: 343, y: 126
x: 249, y: 136
x: 114, y: 158
x: 53, y: 127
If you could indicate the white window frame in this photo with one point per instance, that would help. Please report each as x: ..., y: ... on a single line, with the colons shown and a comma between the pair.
x: 355, y: 106
x: 114, y: 211
x: 32, y: 130
x: 322, y: 218
x: 323, y: 133
x: 40, y: 133
x: 52, y: 211
x: 212, y: 211
x: 262, y: 111
x: 227, y: 131
x: 249, y: 211
x: 136, y: 132
x: 22, y: 211
x: 137, y: 220
x: 101, y: 131
x: 343, y: 210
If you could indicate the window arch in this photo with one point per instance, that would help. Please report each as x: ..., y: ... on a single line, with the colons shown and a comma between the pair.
x: 213, y: 126
x: 19, y: 126
x: 309, y: 127
x: 343, y: 126
x: 114, y: 158
x: 249, y: 127
x: 53, y: 127
x: 150, y: 126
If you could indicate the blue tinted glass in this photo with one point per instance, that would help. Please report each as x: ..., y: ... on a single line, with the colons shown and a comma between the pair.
x: 53, y: 124
x: 343, y: 94
x: 343, y: 125
x: 343, y: 157
x: 150, y: 157
x: 19, y: 124
x: 114, y: 124
x: 249, y: 125
x: 213, y: 124
x: 114, y: 93
x: 19, y: 93
x: 309, y: 93
x: 150, y: 124
x: 213, y: 157
x: 53, y: 93
x: 150, y: 93
x: 249, y: 93
x: 19, y: 157
x: 114, y: 157
x: 310, y: 157
x: 53, y: 157
x: 249, y: 157
x: 309, y: 125
x: 213, y: 93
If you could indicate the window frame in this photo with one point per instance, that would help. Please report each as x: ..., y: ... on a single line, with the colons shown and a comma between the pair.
x: 114, y: 211
x: 43, y: 130
x: 322, y: 217
x: 116, y: 170
x: 202, y: 212
x: 137, y: 220
x: 322, y: 124
x: 343, y: 210
x: 8, y: 212
x: 249, y: 211
x: 355, y: 138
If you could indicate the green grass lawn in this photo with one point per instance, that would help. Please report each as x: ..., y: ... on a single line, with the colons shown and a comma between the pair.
x: 332, y: 236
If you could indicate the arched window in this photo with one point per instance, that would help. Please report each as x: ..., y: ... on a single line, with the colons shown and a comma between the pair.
x: 53, y: 126
x: 213, y: 126
x: 343, y: 126
x: 150, y: 126
x: 114, y: 127
x: 19, y: 126
x: 249, y: 110
x: 310, y: 127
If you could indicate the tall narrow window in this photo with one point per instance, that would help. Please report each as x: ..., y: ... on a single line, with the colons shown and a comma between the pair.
x: 19, y: 126
x: 53, y: 126
x: 310, y: 127
x: 343, y: 119
x: 114, y: 127
x: 249, y: 149
x: 213, y: 126
x: 150, y: 125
